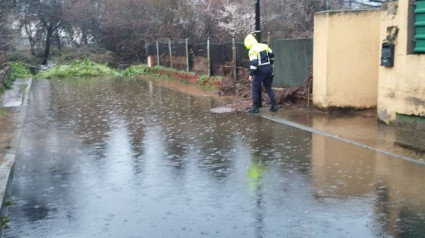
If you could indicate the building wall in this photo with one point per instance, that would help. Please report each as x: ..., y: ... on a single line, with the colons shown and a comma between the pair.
x: 401, y: 87
x: 346, y: 59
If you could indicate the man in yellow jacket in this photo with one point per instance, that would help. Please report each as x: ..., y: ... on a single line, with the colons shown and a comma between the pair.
x: 261, y: 59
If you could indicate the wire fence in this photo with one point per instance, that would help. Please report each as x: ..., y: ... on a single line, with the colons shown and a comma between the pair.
x: 208, y: 58
x: 230, y: 58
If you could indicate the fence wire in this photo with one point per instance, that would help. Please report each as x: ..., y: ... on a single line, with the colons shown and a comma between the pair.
x: 200, y: 57
x: 230, y: 59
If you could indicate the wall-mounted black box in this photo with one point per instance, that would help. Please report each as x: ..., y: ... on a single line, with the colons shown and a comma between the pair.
x: 387, y: 54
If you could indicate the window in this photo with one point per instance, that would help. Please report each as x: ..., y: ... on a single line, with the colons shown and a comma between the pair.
x: 416, y: 25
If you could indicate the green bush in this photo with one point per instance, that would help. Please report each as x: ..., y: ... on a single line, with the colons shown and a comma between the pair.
x: 19, y: 70
x: 78, y: 68
x: 135, y: 70
x: 95, y: 54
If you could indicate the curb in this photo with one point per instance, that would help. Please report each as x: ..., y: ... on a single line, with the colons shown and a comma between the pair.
x: 7, y: 167
x: 336, y: 137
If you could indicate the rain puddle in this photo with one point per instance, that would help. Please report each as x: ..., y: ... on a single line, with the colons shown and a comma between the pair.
x: 131, y: 158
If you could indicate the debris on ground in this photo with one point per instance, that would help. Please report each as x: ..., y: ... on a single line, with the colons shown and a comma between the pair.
x: 240, y: 92
x: 221, y: 110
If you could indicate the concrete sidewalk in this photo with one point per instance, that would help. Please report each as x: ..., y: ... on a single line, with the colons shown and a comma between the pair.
x: 12, y: 101
x: 360, y: 128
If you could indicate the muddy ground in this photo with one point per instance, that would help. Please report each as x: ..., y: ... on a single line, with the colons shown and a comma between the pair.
x: 8, y: 123
x: 239, y: 89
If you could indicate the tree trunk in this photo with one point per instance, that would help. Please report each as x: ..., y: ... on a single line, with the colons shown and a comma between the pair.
x: 32, y: 45
x: 48, y: 44
x: 58, y: 42
x: 84, y: 40
x: 30, y: 38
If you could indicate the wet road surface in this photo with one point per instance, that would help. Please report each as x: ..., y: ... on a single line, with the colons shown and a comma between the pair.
x: 129, y: 158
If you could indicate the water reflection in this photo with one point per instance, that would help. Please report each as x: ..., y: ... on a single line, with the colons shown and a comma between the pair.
x: 392, y: 185
x: 120, y: 158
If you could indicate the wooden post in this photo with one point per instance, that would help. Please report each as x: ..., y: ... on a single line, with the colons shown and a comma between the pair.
x: 187, y: 55
x: 268, y: 38
x: 209, y: 57
x: 157, y: 53
x: 171, y: 55
x: 235, y: 63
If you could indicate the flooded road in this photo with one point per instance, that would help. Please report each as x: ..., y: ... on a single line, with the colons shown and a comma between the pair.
x: 129, y: 158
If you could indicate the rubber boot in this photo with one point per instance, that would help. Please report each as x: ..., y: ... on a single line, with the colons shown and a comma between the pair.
x: 254, y: 109
x: 273, y: 107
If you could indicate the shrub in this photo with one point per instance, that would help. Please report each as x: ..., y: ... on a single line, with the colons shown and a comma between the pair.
x: 78, y: 68
x: 135, y: 70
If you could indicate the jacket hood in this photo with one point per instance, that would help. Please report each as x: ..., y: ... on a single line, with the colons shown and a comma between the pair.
x: 250, y: 41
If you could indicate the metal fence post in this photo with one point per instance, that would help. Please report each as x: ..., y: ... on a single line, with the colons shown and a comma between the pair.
x: 187, y: 54
x: 157, y: 53
x: 171, y: 55
x: 235, y: 64
x: 209, y: 57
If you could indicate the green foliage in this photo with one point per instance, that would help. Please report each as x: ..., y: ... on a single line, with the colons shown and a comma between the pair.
x: 9, y: 202
x: 19, y: 71
x: 5, y: 149
x: 135, y: 70
x: 78, y: 68
x: 5, y: 221
x: 203, y: 79
x: 96, y: 54
x: 3, y: 112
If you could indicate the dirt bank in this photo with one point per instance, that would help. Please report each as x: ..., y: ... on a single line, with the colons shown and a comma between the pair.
x: 239, y: 90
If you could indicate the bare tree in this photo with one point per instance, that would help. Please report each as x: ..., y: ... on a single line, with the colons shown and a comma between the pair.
x: 124, y: 26
x: 6, y: 8
x: 82, y: 20
x: 29, y: 23
x: 46, y: 16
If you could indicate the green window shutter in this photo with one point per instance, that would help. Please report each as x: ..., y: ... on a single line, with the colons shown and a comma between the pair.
x: 420, y: 27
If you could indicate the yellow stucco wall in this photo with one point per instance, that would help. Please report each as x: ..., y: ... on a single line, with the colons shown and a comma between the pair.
x: 401, y: 87
x: 346, y: 59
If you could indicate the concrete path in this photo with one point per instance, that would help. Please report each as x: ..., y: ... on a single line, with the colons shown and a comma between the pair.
x: 356, y: 128
x: 12, y: 101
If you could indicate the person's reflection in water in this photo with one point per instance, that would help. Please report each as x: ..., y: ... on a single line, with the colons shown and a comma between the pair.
x: 255, y: 182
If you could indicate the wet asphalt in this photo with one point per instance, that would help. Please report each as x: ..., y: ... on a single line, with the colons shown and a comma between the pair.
x: 129, y: 158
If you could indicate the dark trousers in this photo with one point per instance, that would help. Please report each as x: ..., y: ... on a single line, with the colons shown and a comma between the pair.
x: 262, y: 76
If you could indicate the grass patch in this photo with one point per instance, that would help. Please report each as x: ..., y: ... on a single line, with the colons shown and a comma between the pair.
x: 5, y: 149
x: 79, y: 68
x: 3, y: 112
x: 135, y: 70
x: 19, y: 70
x: 5, y: 221
x: 9, y: 202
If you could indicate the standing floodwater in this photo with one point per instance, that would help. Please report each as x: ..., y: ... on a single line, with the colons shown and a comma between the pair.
x: 129, y: 158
